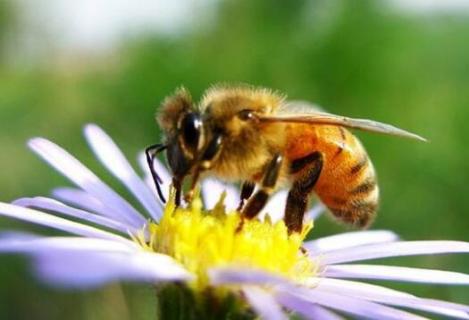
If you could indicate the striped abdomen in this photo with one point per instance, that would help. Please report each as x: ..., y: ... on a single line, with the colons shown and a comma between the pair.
x: 347, y: 184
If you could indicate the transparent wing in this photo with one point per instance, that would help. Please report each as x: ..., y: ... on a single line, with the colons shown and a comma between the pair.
x: 303, y: 112
x: 299, y: 107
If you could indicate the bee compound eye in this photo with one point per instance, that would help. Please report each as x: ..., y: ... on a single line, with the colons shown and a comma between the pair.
x: 246, y: 114
x: 213, y: 147
x: 191, y: 127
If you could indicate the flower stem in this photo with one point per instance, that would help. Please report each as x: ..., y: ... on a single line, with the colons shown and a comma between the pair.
x: 176, y: 301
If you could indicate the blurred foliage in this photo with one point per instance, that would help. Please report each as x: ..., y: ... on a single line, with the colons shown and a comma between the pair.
x: 357, y: 58
x: 7, y: 22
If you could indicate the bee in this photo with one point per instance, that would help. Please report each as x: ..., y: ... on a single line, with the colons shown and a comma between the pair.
x: 256, y: 137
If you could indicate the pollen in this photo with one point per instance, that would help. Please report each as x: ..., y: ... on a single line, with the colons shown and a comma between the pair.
x: 202, y: 239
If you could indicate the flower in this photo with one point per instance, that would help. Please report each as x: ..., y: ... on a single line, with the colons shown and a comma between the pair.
x: 261, y: 265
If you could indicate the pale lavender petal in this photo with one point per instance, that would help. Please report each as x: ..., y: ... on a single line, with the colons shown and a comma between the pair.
x: 112, y: 158
x: 34, y: 244
x: 275, y: 207
x: 163, y: 173
x: 227, y: 275
x: 393, y: 249
x: 308, y: 310
x: 49, y: 220
x: 325, y: 283
x: 76, y: 172
x: 391, y: 297
x: 301, y: 299
x: 87, y: 269
x: 263, y: 303
x: 320, y: 313
x: 315, y: 211
x: 348, y: 240
x: 212, y: 190
x: 362, y: 271
x: 18, y: 235
x: 54, y: 205
x: 85, y: 262
x: 81, y: 199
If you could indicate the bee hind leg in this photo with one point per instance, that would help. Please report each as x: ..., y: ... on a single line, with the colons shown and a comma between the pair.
x: 257, y: 202
x: 297, y: 200
x: 246, y: 191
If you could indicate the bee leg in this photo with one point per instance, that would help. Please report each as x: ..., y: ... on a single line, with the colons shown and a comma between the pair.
x: 188, y: 197
x: 298, y: 195
x: 246, y: 191
x: 177, y: 185
x: 259, y: 199
x: 151, y: 153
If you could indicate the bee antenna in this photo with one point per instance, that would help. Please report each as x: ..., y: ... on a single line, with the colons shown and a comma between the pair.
x: 151, y: 153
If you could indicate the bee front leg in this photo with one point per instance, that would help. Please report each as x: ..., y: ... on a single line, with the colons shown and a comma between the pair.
x: 189, y: 196
x: 177, y: 185
x: 151, y: 153
x: 259, y: 199
x: 246, y: 191
x: 309, y: 168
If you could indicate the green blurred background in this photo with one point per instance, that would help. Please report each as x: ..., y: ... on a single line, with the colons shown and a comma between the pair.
x: 372, y: 59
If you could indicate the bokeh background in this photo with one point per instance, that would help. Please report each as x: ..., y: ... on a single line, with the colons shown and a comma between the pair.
x: 64, y: 64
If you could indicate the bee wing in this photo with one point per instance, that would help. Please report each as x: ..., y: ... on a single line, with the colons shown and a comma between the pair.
x: 299, y: 107
x: 319, y: 117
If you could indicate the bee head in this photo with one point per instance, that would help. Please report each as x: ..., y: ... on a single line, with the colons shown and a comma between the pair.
x: 184, y: 131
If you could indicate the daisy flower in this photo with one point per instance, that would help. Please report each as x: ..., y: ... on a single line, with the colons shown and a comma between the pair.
x: 201, y: 267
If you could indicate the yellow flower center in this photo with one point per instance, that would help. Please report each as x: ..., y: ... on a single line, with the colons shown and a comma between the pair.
x: 200, y: 240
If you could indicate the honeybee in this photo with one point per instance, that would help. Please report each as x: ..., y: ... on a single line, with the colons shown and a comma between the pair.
x: 256, y: 137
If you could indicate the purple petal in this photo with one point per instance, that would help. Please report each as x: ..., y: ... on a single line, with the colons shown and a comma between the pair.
x: 393, y: 249
x: 391, y: 297
x: 49, y: 220
x: 80, y: 199
x: 321, y: 313
x: 85, y: 270
x: 315, y: 211
x: 18, y: 235
x: 301, y: 299
x: 212, y: 190
x: 76, y: 172
x: 308, y: 310
x: 362, y: 271
x: 263, y: 303
x: 84, y: 262
x: 112, y: 158
x: 275, y: 207
x: 54, y: 205
x: 228, y: 275
x: 349, y: 240
x: 32, y: 244
x: 163, y: 173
